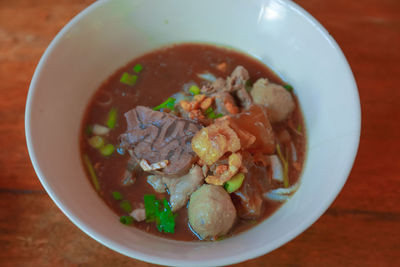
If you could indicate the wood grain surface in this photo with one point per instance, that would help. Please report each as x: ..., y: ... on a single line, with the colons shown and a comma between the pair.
x: 361, y: 228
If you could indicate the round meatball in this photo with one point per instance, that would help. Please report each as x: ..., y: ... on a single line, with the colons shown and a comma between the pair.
x: 211, y: 211
x: 278, y: 101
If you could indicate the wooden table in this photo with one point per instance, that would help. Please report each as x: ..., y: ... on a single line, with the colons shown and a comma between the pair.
x: 362, y: 227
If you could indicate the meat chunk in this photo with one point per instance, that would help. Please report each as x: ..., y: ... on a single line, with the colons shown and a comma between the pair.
x: 211, y: 88
x: 157, y: 183
x: 225, y: 103
x: 237, y: 79
x: 226, y: 90
x: 211, y: 211
x: 244, y: 97
x: 248, y: 198
x: 180, y: 188
x: 278, y: 101
x: 157, y: 136
x: 233, y: 82
x: 236, y: 83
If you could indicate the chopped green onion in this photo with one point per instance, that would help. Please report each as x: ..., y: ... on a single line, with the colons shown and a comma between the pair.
x: 106, y: 150
x: 288, y: 87
x: 96, y: 141
x: 112, y: 118
x: 138, y: 68
x: 169, y: 103
x: 163, y: 216
x: 128, y: 79
x: 126, y: 220
x: 234, y: 183
x: 285, y: 166
x: 92, y: 172
x: 211, y: 114
x: 117, y: 195
x: 194, y: 89
x: 125, y: 205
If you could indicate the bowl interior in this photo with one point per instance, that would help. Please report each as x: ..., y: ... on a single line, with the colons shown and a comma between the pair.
x: 109, y: 34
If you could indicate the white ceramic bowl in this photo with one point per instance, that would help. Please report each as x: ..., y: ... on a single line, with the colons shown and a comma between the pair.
x: 108, y: 34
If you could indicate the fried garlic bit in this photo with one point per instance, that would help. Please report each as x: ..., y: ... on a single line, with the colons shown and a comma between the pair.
x: 231, y: 107
x: 198, y: 106
x: 212, y: 142
x: 223, y: 173
x: 196, y: 115
x: 222, y: 66
x: 206, y: 103
x: 146, y: 166
x: 192, y: 105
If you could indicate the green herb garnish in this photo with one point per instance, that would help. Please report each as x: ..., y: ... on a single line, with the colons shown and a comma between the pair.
x: 151, y: 205
x: 92, y: 172
x: 126, y: 219
x: 288, y: 87
x: 163, y: 216
x: 106, y: 150
x: 126, y: 206
x: 138, y: 68
x: 166, y: 219
x: 194, y: 89
x: 117, y: 195
x: 169, y: 103
x: 112, y: 118
x: 128, y: 79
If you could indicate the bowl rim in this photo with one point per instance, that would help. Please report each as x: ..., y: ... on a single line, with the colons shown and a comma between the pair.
x: 312, y: 218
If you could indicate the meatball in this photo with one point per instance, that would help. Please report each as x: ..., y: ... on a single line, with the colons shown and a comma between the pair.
x: 278, y: 101
x: 211, y: 211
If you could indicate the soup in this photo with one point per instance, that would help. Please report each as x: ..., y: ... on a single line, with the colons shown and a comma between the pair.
x: 194, y: 141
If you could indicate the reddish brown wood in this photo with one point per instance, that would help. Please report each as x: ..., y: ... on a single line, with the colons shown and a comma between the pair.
x: 361, y: 228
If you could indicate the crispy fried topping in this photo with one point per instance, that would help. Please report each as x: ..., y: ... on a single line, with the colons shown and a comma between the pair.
x: 235, y: 162
x: 212, y: 142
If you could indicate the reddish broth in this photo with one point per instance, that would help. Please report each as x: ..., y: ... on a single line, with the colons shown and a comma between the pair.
x: 164, y: 73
